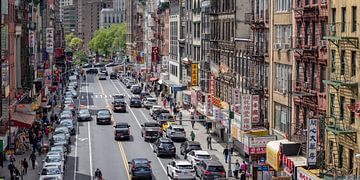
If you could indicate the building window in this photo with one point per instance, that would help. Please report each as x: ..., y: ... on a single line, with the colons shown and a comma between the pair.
x: 333, y: 12
x: 332, y: 105
x: 314, y: 76
x: 343, y: 19
x: 354, y: 19
x: 283, y: 36
x: 342, y: 61
x: 297, y: 117
x: 351, y: 161
x: 352, y: 113
x: 353, y: 63
x: 283, y: 5
x: 333, y: 60
x: 342, y: 107
x: 322, y: 77
x: 341, y: 152
x: 283, y: 74
x: 281, y: 115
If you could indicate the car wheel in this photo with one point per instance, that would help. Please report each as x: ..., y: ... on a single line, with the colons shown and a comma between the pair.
x: 167, y: 171
x: 172, y: 176
x: 142, y: 135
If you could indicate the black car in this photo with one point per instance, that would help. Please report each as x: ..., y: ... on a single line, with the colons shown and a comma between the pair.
x: 135, y: 102
x: 103, y: 117
x: 113, y: 75
x: 87, y: 66
x: 164, y: 146
x: 157, y: 113
x: 122, y: 131
x: 136, y: 90
x: 99, y: 65
x: 140, y: 168
x: 210, y: 170
x: 189, y: 146
x: 103, y: 70
x: 92, y: 71
x: 84, y: 115
x: 119, y: 105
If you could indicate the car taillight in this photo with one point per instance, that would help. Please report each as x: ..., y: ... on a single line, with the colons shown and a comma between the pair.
x: 222, y: 172
x: 207, y: 172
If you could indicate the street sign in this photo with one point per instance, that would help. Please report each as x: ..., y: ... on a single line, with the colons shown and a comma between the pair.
x: 50, y: 40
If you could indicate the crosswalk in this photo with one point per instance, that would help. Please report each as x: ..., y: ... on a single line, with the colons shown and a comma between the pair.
x: 97, y: 96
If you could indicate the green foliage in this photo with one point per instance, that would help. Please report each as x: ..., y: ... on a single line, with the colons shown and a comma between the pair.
x: 69, y: 37
x: 110, y: 40
x: 80, y: 57
x: 75, y: 43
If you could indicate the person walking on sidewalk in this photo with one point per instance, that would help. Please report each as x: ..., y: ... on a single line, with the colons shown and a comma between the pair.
x: 226, y: 154
x: 192, y: 135
x: 237, y: 169
x: 25, y: 166
x: 208, y: 140
x: 193, y: 124
x: 33, y: 159
x: 207, y: 128
x: 243, y: 167
x: 11, y: 168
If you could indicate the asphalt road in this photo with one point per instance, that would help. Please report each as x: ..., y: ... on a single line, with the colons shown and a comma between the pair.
x: 95, y: 146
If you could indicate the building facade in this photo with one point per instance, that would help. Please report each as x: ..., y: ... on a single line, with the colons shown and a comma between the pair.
x: 109, y: 16
x: 63, y: 4
x: 70, y: 18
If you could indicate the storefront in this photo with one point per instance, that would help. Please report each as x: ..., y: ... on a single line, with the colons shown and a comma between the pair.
x: 186, y: 99
x: 291, y: 163
x: 303, y: 174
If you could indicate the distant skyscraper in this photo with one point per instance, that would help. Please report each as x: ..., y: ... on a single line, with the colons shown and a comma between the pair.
x: 64, y: 3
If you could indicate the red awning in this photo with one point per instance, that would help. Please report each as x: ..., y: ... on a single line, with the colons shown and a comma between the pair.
x: 154, y: 79
x: 22, y: 120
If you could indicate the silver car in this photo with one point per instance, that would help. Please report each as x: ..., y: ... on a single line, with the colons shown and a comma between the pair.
x: 52, y: 172
x: 176, y: 132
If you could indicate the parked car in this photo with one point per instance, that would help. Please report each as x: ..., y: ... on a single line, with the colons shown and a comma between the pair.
x: 188, y: 146
x: 196, y: 156
x: 135, y: 101
x: 51, y: 172
x: 165, y: 117
x: 99, y: 65
x: 87, y: 66
x: 176, y: 131
x: 150, y: 130
x: 119, y: 96
x: 84, y: 115
x: 119, y: 105
x: 210, y: 170
x: 180, y: 169
x: 102, y: 76
x: 140, y: 168
x: 156, y: 113
x: 130, y: 83
x: 92, y: 71
x: 54, y: 160
x: 144, y: 94
x: 62, y: 131
x: 122, y: 131
x: 154, y: 108
x: 69, y: 124
x: 164, y: 146
x: 166, y: 124
x: 135, y: 89
x: 149, y: 103
x: 103, y: 117
x: 113, y: 75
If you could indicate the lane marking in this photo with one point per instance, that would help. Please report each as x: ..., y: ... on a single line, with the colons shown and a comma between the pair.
x: 137, y: 120
x: 89, y: 130
x: 121, y: 149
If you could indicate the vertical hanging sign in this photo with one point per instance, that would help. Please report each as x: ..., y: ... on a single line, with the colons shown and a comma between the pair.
x: 255, y: 110
x: 312, y: 142
x: 194, y: 74
x: 50, y: 40
x: 246, y: 112
x: 237, y: 101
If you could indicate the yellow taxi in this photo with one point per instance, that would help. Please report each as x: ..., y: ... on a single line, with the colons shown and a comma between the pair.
x: 166, y: 125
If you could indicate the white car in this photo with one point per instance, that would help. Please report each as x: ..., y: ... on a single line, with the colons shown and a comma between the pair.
x: 54, y: 160
x: 51, y: 172
x: 149, y: 102
x: 196, y: 156
x: 180, y: 169
x: 175, y: 131
x: 56, y: 153
x: 154, y: 108
x: 60, y: 149
x: 102, y: 76
x: 66, y: 116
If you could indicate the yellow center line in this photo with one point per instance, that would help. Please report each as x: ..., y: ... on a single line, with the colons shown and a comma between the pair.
x: 121, y: 148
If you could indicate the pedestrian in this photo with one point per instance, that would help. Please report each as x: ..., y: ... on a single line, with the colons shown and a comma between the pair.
x: 25, y: 165
x: 207, y: 127
x: 243, y: 175
x: 17, y: 174
x: 237, y: 169
x: 231, y: 147
x: 38, y: 147
x: 192, y: 124
x: 243, y: 167
x: 192, y: 136
x: 208, y: 140
x: 164, y: 103
x: 226, y: 154
x: 46, y: 131
x: 12, y: 158
x: 33, y: 159
x: 11, y: 168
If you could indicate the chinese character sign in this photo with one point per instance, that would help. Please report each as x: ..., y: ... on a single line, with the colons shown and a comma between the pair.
x: 218, y: 114
x: 237, y: 101
x: 246, y: 112
x: 208, y: 105
x: 194, y: 74
x: 312, y: 142
x: 50, y: 40
x: 212, y: 84
x: 255, y: 109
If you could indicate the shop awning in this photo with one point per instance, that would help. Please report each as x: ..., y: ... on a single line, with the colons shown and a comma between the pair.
x: 273, y: 152
x: 154, y: 79
x: 22, y: 120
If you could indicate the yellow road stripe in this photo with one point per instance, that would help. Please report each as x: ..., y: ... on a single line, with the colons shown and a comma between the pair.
x: 121, y: 148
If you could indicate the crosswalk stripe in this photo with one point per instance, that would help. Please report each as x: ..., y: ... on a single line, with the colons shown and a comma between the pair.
x: 95, y: 96
x: 105, y: 96
x: 100, y: 96
x: 92, y: 96
x: 110, y: 96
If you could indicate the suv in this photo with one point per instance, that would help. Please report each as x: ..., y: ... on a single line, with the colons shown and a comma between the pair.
x: 102, y: 76
x: 135, y: 101
x: 156, y: 113
x: 150, y: 130
x: 119, y: 105
x: 103, y: 117
x: 176, y: 131
x: 122, y: 131
x: 210, y: 170
x: 149, y: 102
x: 113, y: 75
x: 188, y: 146
x: 140, y: 168
x: 163, y: 117
x: 164, y: 146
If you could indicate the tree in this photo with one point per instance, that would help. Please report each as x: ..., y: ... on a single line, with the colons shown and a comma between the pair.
x: 80, y: 57
x: 75, y: 43
x: 69, y: 37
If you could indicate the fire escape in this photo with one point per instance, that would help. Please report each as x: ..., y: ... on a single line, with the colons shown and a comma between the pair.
x: 205, y: 37
x: 342, y: 81
x: 258, y: 52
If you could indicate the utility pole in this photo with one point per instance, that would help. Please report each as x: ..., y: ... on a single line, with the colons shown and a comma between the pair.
x: 231, y: 116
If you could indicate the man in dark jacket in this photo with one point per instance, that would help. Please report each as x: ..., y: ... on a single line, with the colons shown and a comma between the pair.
x: 33, y: 159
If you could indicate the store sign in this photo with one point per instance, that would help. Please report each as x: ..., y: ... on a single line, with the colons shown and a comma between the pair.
x: 246, y: 112
x: 194, y: 98
x: 48, y: 77
x: 31, y: 39
x: 303, y: 174
x: 194, y: 74
x: 219, y: 116
x: 237, y: 100
x: 50, y: 40
x: 216, y: 101
x: 212, y: 85
x: 312, y: 142
x: 257, y: 145
x: 255, y: 109
x: 208, y: 105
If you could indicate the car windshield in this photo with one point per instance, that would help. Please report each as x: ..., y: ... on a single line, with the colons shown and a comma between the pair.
x: 203, y: 156
x: 84, y: 111
x: 59, y: 138
x: 152, y: 125
x: 50, y: 171
x: 66, y: 123
x: 216, y: 169
x: 52, y: 159
x: 185, y: 166
x: 121, y: 126
x: 178, y: 129
x: 151, y: 100
x: 143, y: 168
x: 195, y: 147
x: 167, y: 143
x: 104, y: 113
x: 57, y: 149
